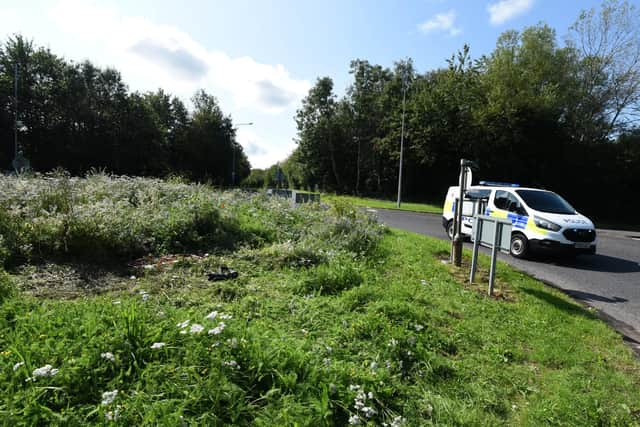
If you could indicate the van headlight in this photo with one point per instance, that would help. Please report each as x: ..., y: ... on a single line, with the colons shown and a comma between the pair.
x: 547, y: 225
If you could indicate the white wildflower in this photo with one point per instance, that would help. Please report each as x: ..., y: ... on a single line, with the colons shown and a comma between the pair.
x: 373, y: 366
x: 108, y: 397
x: 424, y: 282
x: 18, y: 365
x: 45, y: 371
x: 196, y: 328
x: 393, y: 342
x: 370, y: 395
x: 112, y: 415
x: 225, y: 316
x: 418, y: 327
x: 354, y: 387
x: 132, y: 277
x: 232, y: 364
x: 212, y: 315
x: 108, y: 356
x: 368, y: 411
x: 157, y: 345
x: 398, y: 421
x: 117, y: 302
x: 354, y: 420
x: 183, y: 324
x: 218, y: 329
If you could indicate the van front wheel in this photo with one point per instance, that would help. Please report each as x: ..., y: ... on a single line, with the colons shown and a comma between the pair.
x: 519, y: 246
x: 450, y: 229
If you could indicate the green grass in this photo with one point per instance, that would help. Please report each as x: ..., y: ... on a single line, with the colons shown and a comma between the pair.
x: 384, y: 204
x: 332, y: 318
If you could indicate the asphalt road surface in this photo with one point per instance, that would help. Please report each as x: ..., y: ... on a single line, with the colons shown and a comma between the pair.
x: 608, y: 281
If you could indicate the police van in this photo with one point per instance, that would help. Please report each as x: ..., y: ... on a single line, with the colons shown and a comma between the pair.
x: 541, y: 220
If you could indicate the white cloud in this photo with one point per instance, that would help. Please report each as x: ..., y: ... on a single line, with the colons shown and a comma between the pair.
x: 164, y: 56
x: 259, y: 151
x: 441, y: 22
x: 504, y: 10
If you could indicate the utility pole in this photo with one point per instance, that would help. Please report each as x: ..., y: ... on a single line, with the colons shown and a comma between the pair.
x: 15, y: 112
x: 404, y: 96
x: 456, y: 242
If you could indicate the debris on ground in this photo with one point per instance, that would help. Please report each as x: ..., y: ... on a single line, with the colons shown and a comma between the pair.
x: 223, y: 273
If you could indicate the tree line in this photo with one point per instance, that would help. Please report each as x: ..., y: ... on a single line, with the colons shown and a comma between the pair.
x: 533, y: 111
x: 78, y: 116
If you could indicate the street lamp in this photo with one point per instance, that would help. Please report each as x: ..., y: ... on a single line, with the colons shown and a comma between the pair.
x: 233, y: 153
x: 404, y: 97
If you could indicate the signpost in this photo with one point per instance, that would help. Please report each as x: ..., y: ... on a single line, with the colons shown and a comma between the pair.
x: 494, y: 233
x: 464, y: 182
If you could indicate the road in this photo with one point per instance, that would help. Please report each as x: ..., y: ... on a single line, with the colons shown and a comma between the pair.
x: 608, y: 281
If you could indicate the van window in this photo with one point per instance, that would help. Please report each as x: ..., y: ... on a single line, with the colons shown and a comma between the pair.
x: 546, y: 201
x: 508, y: 202
x: 501, y: 200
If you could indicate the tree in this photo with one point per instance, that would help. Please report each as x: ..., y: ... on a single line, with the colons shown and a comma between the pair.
x: 608, y: 47
x: 208, y: 150
x: 317, y: 135
x: 365, y: 97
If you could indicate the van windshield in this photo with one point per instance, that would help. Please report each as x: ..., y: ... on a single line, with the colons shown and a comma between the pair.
x: 546, y: 201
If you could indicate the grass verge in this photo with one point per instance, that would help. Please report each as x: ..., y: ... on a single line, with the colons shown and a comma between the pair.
x: 383, y: 204
x: 332, y: 321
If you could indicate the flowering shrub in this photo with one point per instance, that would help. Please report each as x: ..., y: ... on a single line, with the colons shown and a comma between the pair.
x: 103, y: 216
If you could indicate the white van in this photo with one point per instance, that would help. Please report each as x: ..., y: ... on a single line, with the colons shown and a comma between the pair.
x: 542, y: 220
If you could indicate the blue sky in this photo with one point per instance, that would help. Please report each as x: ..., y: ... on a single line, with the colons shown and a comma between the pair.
x: 260, y: 57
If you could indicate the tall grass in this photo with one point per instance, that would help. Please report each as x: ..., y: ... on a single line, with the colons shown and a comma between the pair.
x: 103, y: 217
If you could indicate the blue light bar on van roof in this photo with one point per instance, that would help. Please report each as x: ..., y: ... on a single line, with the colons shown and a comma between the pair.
x: 498, y: 184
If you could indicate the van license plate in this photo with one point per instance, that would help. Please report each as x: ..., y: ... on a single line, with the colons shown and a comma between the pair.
x: 582, y: 245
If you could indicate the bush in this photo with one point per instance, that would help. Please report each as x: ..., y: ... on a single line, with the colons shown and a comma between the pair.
x: 103, y: 217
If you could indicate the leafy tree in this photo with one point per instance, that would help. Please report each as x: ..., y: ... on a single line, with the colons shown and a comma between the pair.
x: 317, y: 135
x: 608, y: 47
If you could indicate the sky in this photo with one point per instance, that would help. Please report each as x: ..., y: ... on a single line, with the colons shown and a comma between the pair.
x: 260, y: 58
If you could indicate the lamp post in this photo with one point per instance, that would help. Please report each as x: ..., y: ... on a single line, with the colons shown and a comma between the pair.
x: 404, y: 97
x: 233, y: 153
x: 15, y: 112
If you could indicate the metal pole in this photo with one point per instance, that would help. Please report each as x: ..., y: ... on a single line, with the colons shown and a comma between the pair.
x: 404, y: 95
x: 15, y: 113
x: 233, y: 164
x: 456, y: 250
x: 477, y: 222
x: 494, y: 255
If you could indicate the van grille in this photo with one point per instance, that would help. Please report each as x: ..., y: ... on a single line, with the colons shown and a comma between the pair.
x: 580, y: 235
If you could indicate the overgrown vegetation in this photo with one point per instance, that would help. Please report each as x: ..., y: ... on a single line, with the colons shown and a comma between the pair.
x: 332, y: 321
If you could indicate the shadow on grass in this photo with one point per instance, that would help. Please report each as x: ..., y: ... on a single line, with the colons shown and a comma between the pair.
x: 561, y: 304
